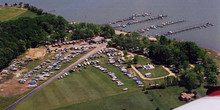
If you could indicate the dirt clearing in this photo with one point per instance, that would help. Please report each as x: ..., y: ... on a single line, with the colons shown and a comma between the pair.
x: 36, y: 52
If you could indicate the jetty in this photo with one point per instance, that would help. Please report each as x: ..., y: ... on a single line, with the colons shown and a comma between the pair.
x: 159, y: 26
x: 202, y: 26
x: 133, y: 17
x: 160, y: 17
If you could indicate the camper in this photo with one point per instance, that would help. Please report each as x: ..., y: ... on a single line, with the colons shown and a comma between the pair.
x: 148, y: 75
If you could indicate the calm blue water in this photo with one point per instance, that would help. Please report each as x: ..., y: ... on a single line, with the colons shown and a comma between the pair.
x: 104, y: 11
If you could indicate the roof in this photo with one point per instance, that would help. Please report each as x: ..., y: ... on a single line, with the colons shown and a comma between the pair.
x: 97, y: 39
x: 187, y: 96
x: 138, y: 66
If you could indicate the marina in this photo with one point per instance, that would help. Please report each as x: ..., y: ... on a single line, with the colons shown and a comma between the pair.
x: 159, y: 26
x: 133, y: 17
x: 188, y: 29
x: 160, y: 17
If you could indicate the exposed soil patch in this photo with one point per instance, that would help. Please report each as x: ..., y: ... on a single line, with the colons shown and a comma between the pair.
x: 36, y: 52
x: 12, y: 88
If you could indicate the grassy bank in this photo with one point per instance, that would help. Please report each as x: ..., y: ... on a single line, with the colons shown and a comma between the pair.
x: 12, y: 13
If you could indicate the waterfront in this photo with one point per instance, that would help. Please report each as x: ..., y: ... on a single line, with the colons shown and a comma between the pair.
x: 103, y: 11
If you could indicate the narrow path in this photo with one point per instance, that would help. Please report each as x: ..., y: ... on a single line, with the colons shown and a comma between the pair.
x: 101, y: 46
x: 145, y: 78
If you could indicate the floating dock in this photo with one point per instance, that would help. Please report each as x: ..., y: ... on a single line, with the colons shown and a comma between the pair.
x: 188, y: 29
x: 160, y: 17
x: 159, y: 26
x: 133, y: 17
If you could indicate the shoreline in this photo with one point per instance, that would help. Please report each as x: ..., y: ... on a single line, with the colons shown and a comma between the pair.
x: 218, y: 53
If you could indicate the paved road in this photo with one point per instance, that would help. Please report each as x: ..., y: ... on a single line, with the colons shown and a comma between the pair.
x: 100, y: 46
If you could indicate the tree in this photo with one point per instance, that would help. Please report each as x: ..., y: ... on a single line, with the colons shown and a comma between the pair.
x: 125, y: 53
x: 163, y: 40
x: 189, y: 80
x: 109, y: 43
x: 135, y: 60
x: 107, y: 31
x: 212, y: 79
x: 20, y: 4
x: 185, y: 65
x: 198, y: 68
x: 21, y: 46
x: 129, y: 63
x: 39, y: 11
x: 26, y: 5
x: 200, y: 78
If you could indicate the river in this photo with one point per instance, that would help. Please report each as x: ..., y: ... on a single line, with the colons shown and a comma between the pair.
x: 103, y: 11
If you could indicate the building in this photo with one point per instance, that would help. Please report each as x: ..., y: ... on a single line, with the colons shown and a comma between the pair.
x: 98, y: 40
x: 187, y: 97
x: 139, y: 67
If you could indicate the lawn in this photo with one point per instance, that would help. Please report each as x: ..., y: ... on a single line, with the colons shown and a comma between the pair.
x: 93, y: 89
x: 6, y: 101
x: 158, y: 71
x: 143, y: 60
x: 167, y: 98
x: 90, y: 84
x: 136, y: 100
x: 8, y: 13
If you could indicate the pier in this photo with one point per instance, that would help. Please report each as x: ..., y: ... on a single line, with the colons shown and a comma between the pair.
x: 159, y: 26
x: 133, y: 17
x: 160, y: 17
x: 188, y: 29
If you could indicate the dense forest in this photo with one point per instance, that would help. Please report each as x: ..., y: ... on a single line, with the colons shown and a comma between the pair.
x: 175, y: 54
x: 19, y: 35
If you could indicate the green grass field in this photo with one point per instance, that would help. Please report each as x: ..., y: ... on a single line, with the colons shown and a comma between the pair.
x: 90, y: 84
x: 158, y: 71
x: 12, y: 13
x: 143, y: 60
x: 136, y: 100
x: 6, y: 101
